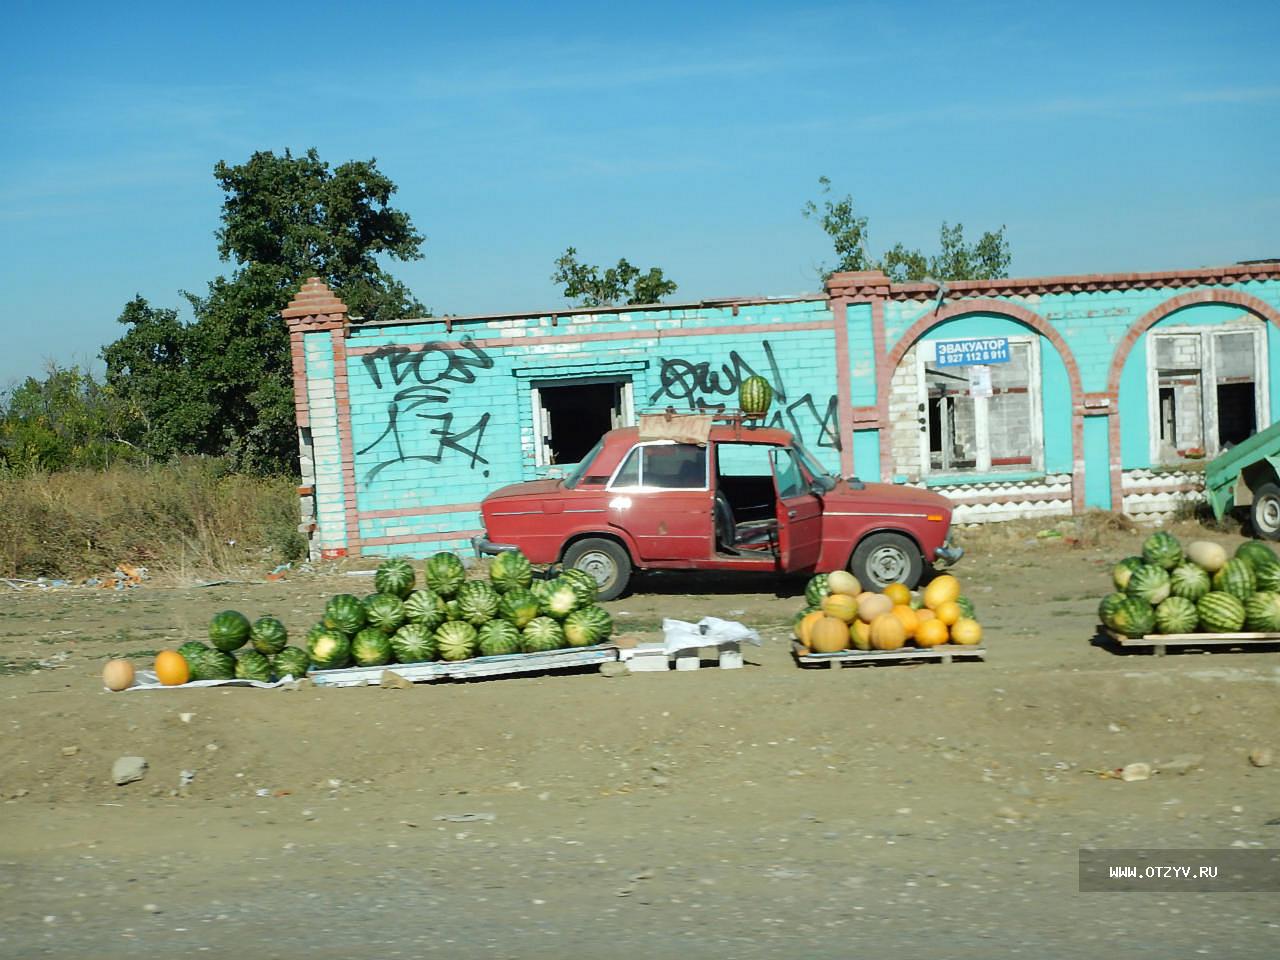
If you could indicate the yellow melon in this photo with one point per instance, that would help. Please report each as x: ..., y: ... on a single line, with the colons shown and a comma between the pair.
x: 940, y: 590
x: 966, y: 631
x: 841, y: 606
x: 948, y: 612
x: 898, y: 593
x: 907, y: 617
x: 887, y: 632
x: 872, y: 605
x: 829, y: 635
x: 842, y: 581
x: 860, y: 635
x: 931, y: 633
x: 924, y: 613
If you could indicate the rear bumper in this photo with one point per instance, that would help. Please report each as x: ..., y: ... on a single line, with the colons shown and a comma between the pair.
x: 486, y: 547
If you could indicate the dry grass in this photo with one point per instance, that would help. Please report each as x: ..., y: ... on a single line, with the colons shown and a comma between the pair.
x: 188, y: 518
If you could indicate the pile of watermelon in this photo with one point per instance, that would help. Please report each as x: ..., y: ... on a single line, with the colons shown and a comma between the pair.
x: 451, y: 617
x: 1170, y: 590
x: 243, y: 650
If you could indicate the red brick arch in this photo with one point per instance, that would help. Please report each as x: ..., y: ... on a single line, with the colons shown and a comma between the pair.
x: 1012, y: 311
x: 1234, y: 298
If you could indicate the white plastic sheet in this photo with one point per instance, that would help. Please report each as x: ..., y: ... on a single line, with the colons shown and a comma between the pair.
x: 708, y: 632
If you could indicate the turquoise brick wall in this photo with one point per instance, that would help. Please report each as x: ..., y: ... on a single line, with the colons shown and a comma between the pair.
x: 439, y: 421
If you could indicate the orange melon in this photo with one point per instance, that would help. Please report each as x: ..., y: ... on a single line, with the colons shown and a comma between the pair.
x: 887, y: 632
x: 829, y: 635
x: 171, y: 668
x: 966, y: 631
x: 940, y: 590
x: 924, y: 613
x: 931, y: 633
x: 907, y: 617
x: 806, y: 624
x: 898, y: 593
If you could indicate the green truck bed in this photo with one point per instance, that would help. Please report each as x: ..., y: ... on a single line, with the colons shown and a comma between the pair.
x: 1229, y: 476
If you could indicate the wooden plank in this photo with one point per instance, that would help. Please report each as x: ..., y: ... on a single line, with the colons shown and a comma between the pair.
x: 477, y: 667
x: 1158, y: 642
x: 945, y: 653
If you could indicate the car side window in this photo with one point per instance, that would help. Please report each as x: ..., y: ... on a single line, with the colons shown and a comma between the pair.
x: 664, y: 466
x: 675, y: 466
x: 787, y: 474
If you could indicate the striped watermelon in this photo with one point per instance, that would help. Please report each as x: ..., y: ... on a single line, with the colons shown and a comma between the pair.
x: 518, y: 606
x: 1108, y: 607
x: 425, y: 607
x: 1150, y: 583
x: 456, y: 640
x: 1176, y: 615
x: 1262, y: 612
x: 542, y: 634
x: 1267, y: 577
x: 1236, y: 578
x: 966, y: 607
x: 444, y: 573
x: 585, y: 587
x: 496, y: 638
x: 816, y: 590
x: 1162, y: 549
x: 371, y: 647
x: 477, y: 602
x: 413, y: 643
x: 395, y: 577
x: 229, y: 630
x: 510, y: 569
x: 1220, y: 612
x: 1134, y: 617
x: 587, y: 626
x: 755, y: 395
x: 1189, y: 581
x: 1257, y: 554
x: 1123, y: 570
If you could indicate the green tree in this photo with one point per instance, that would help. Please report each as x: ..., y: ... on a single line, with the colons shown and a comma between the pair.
x: 986, y: 259
x: 223, y: 384
x: 621, y: 284
x: 68, y: 419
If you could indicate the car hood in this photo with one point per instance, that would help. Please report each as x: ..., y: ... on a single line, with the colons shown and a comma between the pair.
x: 529, y: 488
x: 889, y: 495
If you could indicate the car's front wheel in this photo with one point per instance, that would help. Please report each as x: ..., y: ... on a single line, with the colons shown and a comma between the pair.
x: 606, y: 561
x: 885, y: 558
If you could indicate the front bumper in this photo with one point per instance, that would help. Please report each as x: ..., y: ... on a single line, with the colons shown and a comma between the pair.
x: 486, y: 547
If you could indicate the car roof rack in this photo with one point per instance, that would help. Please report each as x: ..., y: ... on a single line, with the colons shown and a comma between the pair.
x: 718, y: 413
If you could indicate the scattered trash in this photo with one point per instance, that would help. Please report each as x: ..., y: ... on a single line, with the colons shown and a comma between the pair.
x: 262, y: 792
x: 708, y: 632
x: 124, y: 575
x: 1261, y: 756
x: 70, y: 751
x: 185, y: 778
x: 1135, y: 771
x: 1180, y: 765
x: 279, y: 572
x: 466, y: 817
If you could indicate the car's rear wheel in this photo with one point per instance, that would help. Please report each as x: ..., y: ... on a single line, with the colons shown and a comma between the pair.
x: 606, y: 561
x: 885, y: 558
x: 1265, y: 513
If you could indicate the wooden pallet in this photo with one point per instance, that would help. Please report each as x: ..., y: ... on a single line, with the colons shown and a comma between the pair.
x: 857, y: 658
x: 1159, y: 641
x: 474, y: 669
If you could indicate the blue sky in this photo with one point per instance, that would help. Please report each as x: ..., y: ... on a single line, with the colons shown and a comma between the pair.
x: 1105, y: 136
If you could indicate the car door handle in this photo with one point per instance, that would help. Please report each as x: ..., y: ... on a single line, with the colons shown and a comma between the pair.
x: 791, y: 514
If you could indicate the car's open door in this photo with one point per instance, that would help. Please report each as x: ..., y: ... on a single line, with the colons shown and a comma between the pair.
x: 799, y: 513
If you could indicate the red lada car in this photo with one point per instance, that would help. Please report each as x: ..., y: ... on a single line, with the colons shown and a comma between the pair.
x: 749, y: 498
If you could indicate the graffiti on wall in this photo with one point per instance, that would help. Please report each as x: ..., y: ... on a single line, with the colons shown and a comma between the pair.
x: 686, y: 383
x: 419, y: 424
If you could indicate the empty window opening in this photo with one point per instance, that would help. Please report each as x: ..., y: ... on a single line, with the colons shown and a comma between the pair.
x: 1208, y: 390
x: 570, y: 418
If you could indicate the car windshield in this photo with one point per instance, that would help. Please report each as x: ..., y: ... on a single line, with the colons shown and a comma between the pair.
x: 574, y: 475
x: 814, y: 467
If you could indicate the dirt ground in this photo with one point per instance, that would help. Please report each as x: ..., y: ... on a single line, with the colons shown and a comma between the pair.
x: 927, y: 810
